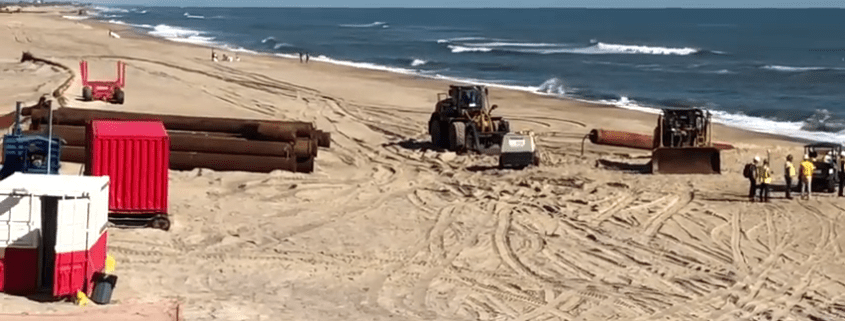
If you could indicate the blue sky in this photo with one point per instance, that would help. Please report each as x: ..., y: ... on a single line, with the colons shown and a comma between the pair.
x: 488, y: 3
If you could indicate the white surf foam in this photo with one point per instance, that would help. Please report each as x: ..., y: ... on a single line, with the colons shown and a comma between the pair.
x: 265, y: 40
x: 418, y: 62
x: 798, y: 69
x: 181, y: 35
x: 118, y: 22
x: 188, y: 15
x: 76, y: 17
x: 459, y: 46
x: 369, y: 25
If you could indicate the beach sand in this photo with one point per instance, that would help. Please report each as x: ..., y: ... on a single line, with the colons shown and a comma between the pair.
x: 387, y: 230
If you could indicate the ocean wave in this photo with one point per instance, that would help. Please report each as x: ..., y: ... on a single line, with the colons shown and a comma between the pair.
x: 596, y: 48
x: 118, y: 22
x: 822, y: 121
x: 271, y: 38
x: 76, y: 17
x: 112, y: 16
x: 798, y: 69
x: 188, y: 15
x: 138, y: 12
x: 552, y: 86
x: 369, y: 25
x: 181, y: 35
x: 279, y: 45
x: 418, y: 62
x: 107, y: 9
x: 459, y: 49
x: 462, y: 39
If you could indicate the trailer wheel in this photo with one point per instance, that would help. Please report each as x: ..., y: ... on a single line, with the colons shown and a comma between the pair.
x: 87, y: 94
x: 161, y: 222
x: 118, y: 96
x: 457, y: 136
x: 504, y: 126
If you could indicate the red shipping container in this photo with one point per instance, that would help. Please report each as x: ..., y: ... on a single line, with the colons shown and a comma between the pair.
x: 136, y: 157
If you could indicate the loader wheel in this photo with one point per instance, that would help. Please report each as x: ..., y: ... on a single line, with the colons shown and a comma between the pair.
x: 457, y: 136
x: 87, y: 94
x: 536, y: 160
x: 118, y: 96
x: 435, y: 131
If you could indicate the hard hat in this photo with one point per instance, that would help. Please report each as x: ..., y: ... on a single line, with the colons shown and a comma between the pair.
x: 756, y: 159
x: 806, y: 157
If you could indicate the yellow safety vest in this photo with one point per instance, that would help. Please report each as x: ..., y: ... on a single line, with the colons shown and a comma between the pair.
x: 764, y: 175
x: 807, y: 168
x: 790, y: 169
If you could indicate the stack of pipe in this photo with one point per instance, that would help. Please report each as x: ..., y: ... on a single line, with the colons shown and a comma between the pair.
x: 199, y: 142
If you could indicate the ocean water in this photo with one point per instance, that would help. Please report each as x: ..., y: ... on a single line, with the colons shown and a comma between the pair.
x: 779, y: 71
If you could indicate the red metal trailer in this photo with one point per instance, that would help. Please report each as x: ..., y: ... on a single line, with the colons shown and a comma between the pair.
x: 53, y: 233
x: 136, y: 156
x: 111, y: 91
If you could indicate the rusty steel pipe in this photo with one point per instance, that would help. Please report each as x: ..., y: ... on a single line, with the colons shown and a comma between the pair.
x: 200, y: 142
x: 622, y: 139
x: 634, y: 140
x: 180, y: 160
x: 249, y: 128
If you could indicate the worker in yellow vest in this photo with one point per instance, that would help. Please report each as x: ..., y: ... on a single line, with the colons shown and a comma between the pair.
x: 764, y: 180
x: 807, y: 169
x: 788, y: 175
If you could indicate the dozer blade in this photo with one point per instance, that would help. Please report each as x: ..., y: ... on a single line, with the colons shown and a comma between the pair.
x: 686, y: 160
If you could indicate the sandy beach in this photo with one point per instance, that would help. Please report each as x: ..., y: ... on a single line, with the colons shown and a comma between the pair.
x: 385, y: 229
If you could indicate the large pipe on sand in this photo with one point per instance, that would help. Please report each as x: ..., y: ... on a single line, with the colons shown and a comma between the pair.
x: 248, y: 128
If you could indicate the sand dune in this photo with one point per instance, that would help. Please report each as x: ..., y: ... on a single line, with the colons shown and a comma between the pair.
x: 386, y: 229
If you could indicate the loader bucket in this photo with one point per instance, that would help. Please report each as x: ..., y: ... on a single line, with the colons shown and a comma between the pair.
x: 686, y: 160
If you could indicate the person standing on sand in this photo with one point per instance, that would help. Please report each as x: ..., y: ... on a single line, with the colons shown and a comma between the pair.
x: 788, y: 174
x: 807, y: 169
x: 750, y: 172
x: 307, y: 57
x: 764, y: 179
x: 300, y: 57
x: 841, y: 173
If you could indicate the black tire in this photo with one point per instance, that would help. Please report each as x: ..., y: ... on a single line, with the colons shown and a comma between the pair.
x: 118, y: 96
x: 161, y: 223
x: 87, y: 94
x: 435, y: 131
x: 536, y: 160
x: 457, y: 136
x: 471, y: 138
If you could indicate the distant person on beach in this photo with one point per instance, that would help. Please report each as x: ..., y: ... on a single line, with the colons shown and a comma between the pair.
x: 750, y: 172
x: 788, y: 174
x: 841, y: 173
x: 764, y: 179
x: 300, y: 57
x: 806, y: 179
x: 307, y: 57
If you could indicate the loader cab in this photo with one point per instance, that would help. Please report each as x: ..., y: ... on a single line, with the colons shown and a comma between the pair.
x: 467, y: 98
x: 826, y: 158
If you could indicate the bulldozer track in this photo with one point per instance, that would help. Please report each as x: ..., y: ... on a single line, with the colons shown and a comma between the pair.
x: 736, y: 236
x: 677, y: 204
x: 614, y: 208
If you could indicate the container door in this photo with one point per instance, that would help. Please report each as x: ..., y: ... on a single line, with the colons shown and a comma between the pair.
x: 71, y: 246
x: 19, y: 238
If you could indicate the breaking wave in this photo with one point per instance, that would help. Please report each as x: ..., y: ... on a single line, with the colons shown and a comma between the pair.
x: 181, y: 35
x: 188, y: 15
x: 799, y: 69
x: 472, y: 44
x: 369, y: 25
x: 418, y: 62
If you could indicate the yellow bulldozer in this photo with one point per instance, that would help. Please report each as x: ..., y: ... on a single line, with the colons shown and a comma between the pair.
x: 681, y: 143
x: 462, y: 121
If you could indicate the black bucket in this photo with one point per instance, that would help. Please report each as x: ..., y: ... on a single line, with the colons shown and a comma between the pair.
x: 103, y: 288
